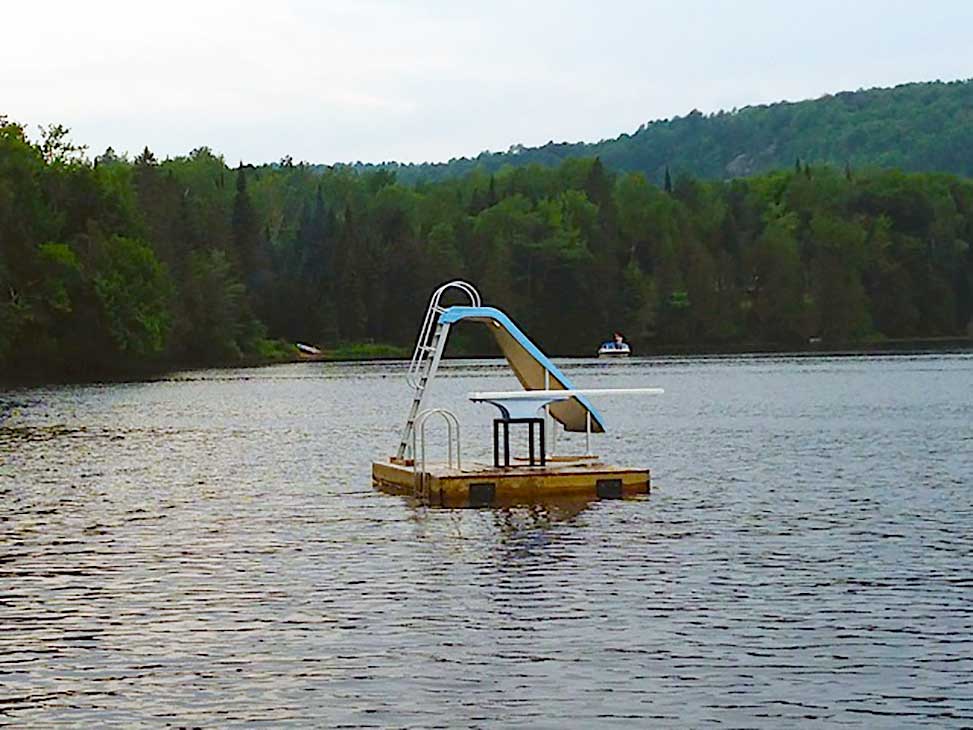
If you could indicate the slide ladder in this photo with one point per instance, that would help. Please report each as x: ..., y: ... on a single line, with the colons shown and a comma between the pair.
x: 428, y: 352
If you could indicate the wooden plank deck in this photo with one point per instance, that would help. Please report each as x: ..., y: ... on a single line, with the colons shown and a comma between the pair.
x: 483, y: 485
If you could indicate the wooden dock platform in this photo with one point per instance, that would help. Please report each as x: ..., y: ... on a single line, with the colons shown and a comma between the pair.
x: 484, y: 485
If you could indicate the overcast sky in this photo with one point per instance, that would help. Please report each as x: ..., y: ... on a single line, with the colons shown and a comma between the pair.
x: 373, y: 80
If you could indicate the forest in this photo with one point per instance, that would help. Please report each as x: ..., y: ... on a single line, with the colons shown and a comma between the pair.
x: 111, y: 265
x: 916, y: 127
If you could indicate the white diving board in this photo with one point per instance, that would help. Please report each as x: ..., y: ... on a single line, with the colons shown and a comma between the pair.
x: 526, y: 403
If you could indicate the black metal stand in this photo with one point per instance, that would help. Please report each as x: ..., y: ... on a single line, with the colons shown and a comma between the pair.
x: 505, y: 422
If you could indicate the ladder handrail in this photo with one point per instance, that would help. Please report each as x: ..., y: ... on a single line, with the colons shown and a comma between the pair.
x: 421, y: 353
x: 419, y: 457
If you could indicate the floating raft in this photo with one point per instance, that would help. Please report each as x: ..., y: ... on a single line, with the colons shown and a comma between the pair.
x: 548, y: 397
x: 485, y: 485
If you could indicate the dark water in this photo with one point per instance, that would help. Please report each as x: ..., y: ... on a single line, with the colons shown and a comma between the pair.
x: 207, y: 550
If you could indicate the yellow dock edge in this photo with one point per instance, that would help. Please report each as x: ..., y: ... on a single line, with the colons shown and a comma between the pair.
x: 489, y: 486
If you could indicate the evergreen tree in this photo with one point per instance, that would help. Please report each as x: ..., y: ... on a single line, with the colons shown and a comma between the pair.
x: 491, y: 198
x: 248, y: 251
x: 350, y: 286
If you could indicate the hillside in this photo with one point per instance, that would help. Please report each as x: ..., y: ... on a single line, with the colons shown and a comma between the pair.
x: 914, y: 127
x: 116, y: 266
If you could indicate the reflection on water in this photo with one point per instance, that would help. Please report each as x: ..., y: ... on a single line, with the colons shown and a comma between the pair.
x: 207, y: 549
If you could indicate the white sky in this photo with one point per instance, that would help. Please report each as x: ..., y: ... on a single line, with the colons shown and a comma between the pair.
x: 374, y: 80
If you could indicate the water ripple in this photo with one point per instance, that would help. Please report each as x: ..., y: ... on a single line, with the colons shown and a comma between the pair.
x: 206, y: 550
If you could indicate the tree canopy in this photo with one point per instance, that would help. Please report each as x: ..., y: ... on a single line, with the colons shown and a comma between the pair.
x: 112, y: 264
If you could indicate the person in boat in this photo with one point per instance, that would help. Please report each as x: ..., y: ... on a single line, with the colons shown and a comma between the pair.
x: 615, y: 344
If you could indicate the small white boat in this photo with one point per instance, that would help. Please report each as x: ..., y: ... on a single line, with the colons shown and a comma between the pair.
x: 306, y: 349
x: 612, y: 349
x: 616, y: 347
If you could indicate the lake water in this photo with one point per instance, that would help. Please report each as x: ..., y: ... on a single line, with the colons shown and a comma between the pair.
x: 206, y: 550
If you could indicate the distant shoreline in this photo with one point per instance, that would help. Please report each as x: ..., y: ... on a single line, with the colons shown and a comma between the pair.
x: 927, y: 345
x: 874, y: 347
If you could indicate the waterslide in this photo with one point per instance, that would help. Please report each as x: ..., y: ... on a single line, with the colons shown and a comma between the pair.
x: 533, y: 368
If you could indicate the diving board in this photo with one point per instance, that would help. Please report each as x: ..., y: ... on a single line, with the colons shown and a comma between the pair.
x: 525, y: 403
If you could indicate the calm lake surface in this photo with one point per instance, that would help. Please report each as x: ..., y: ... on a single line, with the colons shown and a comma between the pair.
x: 206, y: 550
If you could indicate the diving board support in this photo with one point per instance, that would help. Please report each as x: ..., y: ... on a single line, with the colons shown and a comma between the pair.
x: 504, y: 424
